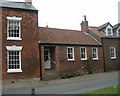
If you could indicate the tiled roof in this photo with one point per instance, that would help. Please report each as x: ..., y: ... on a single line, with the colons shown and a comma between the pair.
x: 63, y: 36
x: 16, y: 5
x: 96, y: 32
x: 104, y: 26
x: 116, y: 26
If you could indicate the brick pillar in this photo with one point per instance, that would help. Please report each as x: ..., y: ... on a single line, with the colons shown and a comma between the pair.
x: 57, y: 59
x: 119, y: 12
x: 42, y: 62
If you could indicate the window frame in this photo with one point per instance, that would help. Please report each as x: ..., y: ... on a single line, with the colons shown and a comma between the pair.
x: 114, y: 52
x: 14, y: 48
x: 96, y: 53
x: 109, y: 31
x: 70, y: 53
x: 14, y: 18
x: 83, y: 53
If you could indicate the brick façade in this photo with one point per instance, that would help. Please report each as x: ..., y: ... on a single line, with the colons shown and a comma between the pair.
x: 77, y: 64
x: 111, y: 64
x: 57, y: 40
x: 30, y: 53
x: 107, y: 43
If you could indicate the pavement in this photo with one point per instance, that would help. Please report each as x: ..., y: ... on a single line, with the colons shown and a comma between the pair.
x: 24, y: 83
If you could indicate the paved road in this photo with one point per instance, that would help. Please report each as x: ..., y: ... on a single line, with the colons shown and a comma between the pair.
x: 72, y: 86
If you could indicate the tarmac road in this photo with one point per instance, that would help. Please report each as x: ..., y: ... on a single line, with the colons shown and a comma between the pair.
x: 77, y: 85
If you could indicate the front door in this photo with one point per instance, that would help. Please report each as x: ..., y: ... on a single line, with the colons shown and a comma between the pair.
x: 47, y: 59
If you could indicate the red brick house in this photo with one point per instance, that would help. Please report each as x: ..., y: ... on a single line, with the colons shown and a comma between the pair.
x: 29, y: 51
x: 19, y: 39
x: 109, y: 36
x: 69, y: 50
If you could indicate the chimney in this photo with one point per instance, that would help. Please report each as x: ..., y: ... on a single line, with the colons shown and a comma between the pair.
x: 84, y: 25
x: 28, y: 2
x: 46, y: 26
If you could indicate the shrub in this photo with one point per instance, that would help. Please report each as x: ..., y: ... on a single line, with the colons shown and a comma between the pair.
x: 69, y: 75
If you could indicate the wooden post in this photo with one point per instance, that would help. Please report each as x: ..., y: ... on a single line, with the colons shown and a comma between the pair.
x: 33, y: 92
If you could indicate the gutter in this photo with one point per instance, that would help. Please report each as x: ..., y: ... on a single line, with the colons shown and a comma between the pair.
x: 40, y: 63
x: 93, y: 38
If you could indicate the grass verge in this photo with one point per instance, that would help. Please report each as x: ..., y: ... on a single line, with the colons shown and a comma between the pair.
x: 113, y: 90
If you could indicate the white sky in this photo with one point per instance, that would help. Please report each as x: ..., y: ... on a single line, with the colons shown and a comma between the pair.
x: 68, y: 14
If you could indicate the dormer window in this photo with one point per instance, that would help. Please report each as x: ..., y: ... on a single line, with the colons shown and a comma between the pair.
x: 109, y: 31
x: 106, y: 29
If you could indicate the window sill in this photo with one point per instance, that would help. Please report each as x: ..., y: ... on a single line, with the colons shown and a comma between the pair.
x: 14, y: 70
x: 84, y: 59
x: 71, y: 60
x: 95, y: 59
x: 13, y: 38
x: 113, y: 58
x: 109, y: 35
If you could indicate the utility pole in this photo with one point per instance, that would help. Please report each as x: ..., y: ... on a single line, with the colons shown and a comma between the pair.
x: 119, y: 12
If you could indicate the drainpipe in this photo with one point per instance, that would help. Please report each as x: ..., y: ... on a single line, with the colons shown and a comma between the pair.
x: 103, y: 55
x: 40, y: 63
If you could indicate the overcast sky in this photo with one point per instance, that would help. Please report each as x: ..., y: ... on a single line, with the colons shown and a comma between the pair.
x: 68, y: 14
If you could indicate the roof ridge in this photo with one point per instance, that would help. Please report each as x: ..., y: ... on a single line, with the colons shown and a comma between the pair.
x: 62, y: 29
x: 93, y: 27
x: 103, y: 25
x: 13, y: 1
x: 17, y: 5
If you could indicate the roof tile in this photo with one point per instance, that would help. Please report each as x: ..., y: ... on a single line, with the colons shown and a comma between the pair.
x: 103, y: 26
x: 96, y: 32
x: 63, y: 36
x: 17, y: 5
x: 116, y: 26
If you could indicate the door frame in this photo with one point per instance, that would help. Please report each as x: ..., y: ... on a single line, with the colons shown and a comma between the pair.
x: 48, y: 63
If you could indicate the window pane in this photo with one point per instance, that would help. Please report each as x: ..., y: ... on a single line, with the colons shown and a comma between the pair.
x: 112, y: 53
x: 68, y: 50
x: 94, y: 53
x: 13, y: 60
x: 83, y: 53
x: 14, y: 28
x: 109, y: 31
x: 83, y: 56
x: 68, y: 56
x: 70, y: 53
x: 71, y: 50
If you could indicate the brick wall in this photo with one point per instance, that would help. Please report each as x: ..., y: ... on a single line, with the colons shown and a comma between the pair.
x: 77, y: 64
x: 30, y: 53
x: 110, y: 64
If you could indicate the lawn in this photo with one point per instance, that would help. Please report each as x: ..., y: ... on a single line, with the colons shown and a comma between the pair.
x: 109, y: 90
